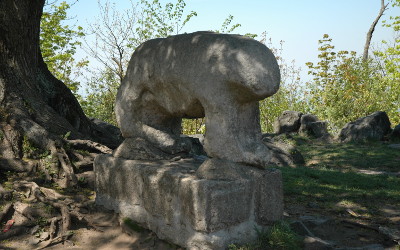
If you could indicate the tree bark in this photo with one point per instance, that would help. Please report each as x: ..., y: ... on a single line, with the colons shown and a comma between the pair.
x: 372, y: 29
x: 34, y: 105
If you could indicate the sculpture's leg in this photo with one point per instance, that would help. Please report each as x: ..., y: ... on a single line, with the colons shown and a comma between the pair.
x: 233, y: 133
x: 163, y: 130
x: 149, y: 132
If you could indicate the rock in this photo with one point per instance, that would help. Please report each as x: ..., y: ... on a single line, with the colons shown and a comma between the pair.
x: 287, y: 122
x: 194, y: 209
x: 311, y: 126
x: 197, y: 142
x: 395, y: 146
x: 306, y: 119
x: 372, y: 127
x: 297, y: 122
x: 137, y: 148
x: 283, y: 154
x: 219, y: 76
x: 318, y: 129
x: 396, y: 133
x: 198, y: 202
x: 111, y: 134
x: 216, y: 169
x: 315, y: 243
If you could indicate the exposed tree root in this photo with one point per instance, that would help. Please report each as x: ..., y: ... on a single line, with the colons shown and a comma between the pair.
x: 5, y: 211
x: 31, y: 147
x: 59, y: 226
x: 41, y: 139
x: 90, y: 146
x: 15, y: 164
x: 4, y: 194
x: 56, y: 240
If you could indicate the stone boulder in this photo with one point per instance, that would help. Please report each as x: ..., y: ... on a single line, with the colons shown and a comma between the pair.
x: 310, y: 125
x: 220, y: 76
x: 287, y: 122
x: 283, y: 154
x: 372, y: 127
x: 109, y: 134
x: 396, y: 133
x: 297, y: 122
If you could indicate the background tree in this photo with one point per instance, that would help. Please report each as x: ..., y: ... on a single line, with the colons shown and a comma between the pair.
x: 289, y: 95
x: 346, y: 87
x: 116, y: 35
x: 59, y: 42
x: 372, y: 29
x: 100, y: 99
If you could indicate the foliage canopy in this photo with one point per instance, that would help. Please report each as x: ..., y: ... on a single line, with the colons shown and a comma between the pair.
x: 342, y: 88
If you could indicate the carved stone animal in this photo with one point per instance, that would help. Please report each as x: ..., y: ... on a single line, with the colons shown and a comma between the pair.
x: 219, y: 76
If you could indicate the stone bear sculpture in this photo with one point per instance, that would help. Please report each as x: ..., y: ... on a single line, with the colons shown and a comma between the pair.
x: 219, y: 76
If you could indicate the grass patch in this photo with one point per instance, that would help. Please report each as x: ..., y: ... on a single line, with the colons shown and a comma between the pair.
x: 278, y: 236
x: 332, y: 185
x: 352, y: 156
x: 133, y: 225
x: 331, y: 176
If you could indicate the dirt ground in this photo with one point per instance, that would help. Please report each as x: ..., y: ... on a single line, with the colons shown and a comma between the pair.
x: 346, y: 230
x: 343, y: 231
x: 108, y: 234
x: 341, y: 228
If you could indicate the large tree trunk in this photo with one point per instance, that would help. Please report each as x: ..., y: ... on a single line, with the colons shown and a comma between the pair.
x: 34, y: 105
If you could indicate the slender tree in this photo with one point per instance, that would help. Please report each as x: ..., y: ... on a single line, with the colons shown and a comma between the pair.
x: 372, y: 29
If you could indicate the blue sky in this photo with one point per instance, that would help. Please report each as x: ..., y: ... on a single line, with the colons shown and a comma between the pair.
x: 299, y: 23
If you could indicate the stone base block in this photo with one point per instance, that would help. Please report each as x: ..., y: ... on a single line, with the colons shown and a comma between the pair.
x: 170, y: 199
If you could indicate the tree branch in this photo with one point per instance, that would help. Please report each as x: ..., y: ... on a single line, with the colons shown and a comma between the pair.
x: 372, y: 29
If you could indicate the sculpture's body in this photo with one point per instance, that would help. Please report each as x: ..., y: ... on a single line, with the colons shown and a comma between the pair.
x: 219, y: 76
x: 197, y: 205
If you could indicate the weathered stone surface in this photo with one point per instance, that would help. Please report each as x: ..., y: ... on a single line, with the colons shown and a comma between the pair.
x: 372, y: 127
x: 287, y: 122
x: 396, y: 133
x: 172, y: 200
x: 136, y: 148
x: 200, y: 74
x: 307, y: 118
x: 197, y: 142
x: 283, y: 154
x: 297, y: 122
x: 311, y: 126
x: 318, y: 129
x: 110, y: 135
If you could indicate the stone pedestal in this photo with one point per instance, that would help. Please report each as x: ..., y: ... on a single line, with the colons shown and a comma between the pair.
x: 170, y: 199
